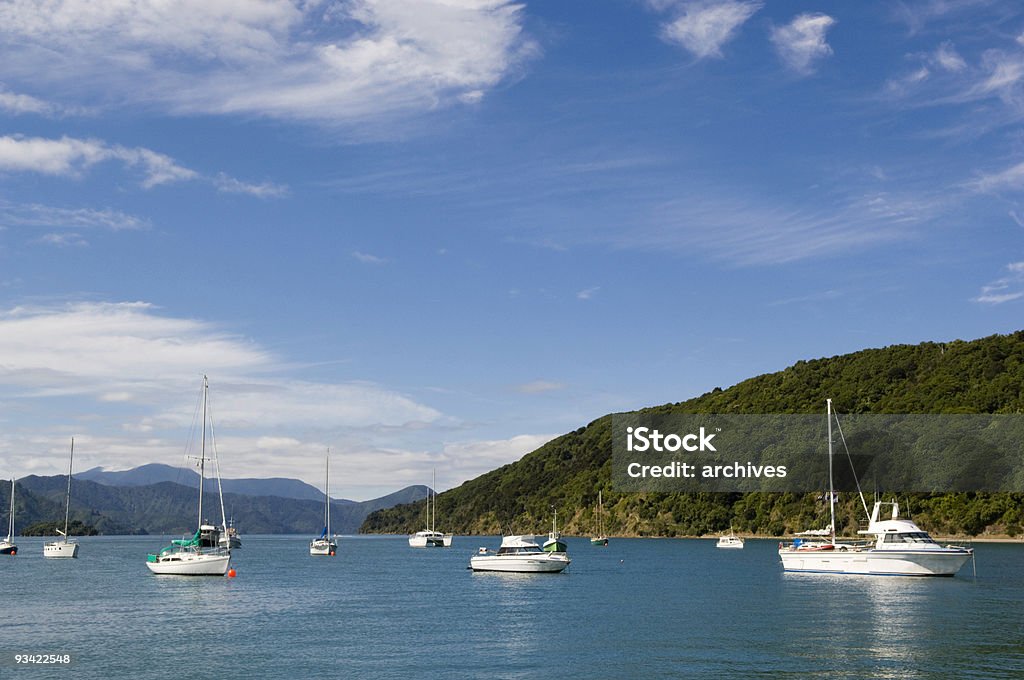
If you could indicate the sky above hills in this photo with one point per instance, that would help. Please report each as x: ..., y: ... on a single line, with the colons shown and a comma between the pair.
x: 436, y: 233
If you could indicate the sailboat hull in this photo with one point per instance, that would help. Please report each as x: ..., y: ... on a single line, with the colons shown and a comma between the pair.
x: 60, y: 549
x: 191, y: 564
x: 430, y: 539
x: 945, y: 562
x: 323, y: 548
x: 7, y: 548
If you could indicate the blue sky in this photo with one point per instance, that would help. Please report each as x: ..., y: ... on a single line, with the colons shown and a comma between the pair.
x: 438, y: 233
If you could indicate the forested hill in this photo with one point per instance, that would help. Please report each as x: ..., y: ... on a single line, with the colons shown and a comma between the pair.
x: 979, y: 376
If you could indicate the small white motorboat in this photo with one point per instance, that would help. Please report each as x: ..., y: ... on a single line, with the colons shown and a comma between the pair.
x: 519, y: 554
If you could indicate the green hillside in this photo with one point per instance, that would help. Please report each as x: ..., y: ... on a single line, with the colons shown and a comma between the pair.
x: 980, y: 376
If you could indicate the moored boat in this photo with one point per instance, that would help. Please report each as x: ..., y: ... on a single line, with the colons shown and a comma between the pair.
x: 899, y: 546
x: 7, y: 546
x: 519, y: 554
x: 64, y: 547
x: 555, y: 542
x: 730, y: 540
x: 600, y: 538
x: 430, y: 537
x: 200, y: 555
x: 326, y: 544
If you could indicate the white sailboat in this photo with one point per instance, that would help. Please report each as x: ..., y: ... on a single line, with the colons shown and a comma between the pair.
x: 7, y: 546
x: 430, y: 537
x: 899, y: 548
x: 730, y: 540
x: 600, y: 539
x: 64, y: 547
x: 326, y: 543
x: 200, y: 555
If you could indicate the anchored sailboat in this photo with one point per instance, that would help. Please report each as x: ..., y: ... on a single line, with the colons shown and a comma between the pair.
x: 200, y: 555
x: 64, y: 547
x: 326, y: 543
x: 430, y: 537
x: 600, y: 539
x: 7, y: 546
x: 899, y: 548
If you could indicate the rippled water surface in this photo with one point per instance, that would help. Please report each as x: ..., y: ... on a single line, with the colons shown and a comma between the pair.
x: 379, y: 609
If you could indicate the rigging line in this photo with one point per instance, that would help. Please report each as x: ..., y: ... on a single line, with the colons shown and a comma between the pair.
x: 852, y: 468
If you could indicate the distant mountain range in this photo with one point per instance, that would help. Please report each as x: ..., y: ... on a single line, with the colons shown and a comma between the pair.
x: 145, y: 501
x: 154, y: 473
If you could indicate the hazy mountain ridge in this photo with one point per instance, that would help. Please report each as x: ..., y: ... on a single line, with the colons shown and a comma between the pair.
x: 170, y: 508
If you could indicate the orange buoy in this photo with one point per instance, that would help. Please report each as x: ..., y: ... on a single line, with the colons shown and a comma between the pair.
x: 232, y: 573
x: 332, y: 553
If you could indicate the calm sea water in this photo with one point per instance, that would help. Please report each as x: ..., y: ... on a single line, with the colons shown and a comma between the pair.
x: 379, y: 609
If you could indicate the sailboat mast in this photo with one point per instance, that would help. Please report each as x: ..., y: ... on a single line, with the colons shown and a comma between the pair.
x: 831, y: 490
x: 10, y: 527
x: 433, y: 492
x: 327, y: 494
x: 67, y: 506
x: 202, y: 452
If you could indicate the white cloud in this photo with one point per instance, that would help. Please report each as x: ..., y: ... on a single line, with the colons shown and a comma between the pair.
x: 467, y: 460
x: 744, y: 232
x: 1009, y: 179
x: 35, y: 215
x: 801, y: 42
x: 539, y: 387
x: 22, y: 103
x: 703, y: 27
x: 587, y: 293
x: 230, y: 185
x: 68, y: 156
x: 1004, y: 289
x: 948, y: 58
x: 367, y: 258
x: 71, y: 157
x: 64, y: 240
x: 349, y: 61
x: 125, y: 375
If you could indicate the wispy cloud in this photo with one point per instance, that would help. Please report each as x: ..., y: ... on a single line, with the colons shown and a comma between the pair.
x: 587, y: 293
x: 703, y: 27
x: 230, y: 185
x: 63, y: 240
x: 92, y: 358
x: 801, y: 43
x: 744, y: 232
x: 20, y: 104
x: 367, y: 258
x: 1009, y: 179
x: 341, y: 62
x: 72, y: 157
x: 539, y: 387
x: 1004, y: 289
x: 38, y: 216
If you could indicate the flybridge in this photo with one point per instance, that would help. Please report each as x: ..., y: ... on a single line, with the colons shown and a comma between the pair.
x: 646, y: 439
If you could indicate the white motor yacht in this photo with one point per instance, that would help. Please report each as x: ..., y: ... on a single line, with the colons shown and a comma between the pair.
x: 730, y: 540
x: 519, y: 554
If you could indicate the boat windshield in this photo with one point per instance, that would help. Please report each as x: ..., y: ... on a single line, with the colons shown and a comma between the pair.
x: 519, y: 550
x: 909, y: 537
